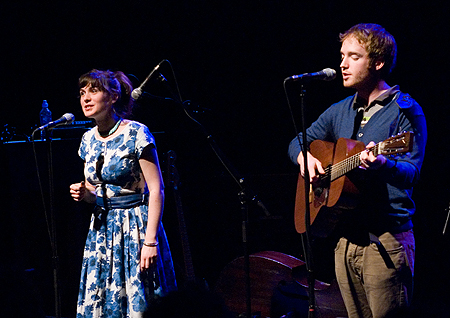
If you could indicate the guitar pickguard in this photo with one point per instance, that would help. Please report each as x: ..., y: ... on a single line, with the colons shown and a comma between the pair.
x: 321, y: 190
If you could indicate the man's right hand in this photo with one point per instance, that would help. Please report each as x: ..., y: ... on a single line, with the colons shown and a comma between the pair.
x: 314, y: 167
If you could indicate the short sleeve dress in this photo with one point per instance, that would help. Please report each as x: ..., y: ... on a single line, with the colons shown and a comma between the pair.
x: 111, y: 282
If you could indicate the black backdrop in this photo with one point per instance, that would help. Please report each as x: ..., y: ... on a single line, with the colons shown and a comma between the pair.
x: 230, y: 59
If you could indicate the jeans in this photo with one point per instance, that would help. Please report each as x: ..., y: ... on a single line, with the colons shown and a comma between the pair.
x: 375, y: 279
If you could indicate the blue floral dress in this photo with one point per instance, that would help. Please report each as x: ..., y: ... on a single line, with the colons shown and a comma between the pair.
x: 111, y: 282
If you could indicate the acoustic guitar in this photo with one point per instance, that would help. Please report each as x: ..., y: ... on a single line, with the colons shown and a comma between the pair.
x: 327, y: 194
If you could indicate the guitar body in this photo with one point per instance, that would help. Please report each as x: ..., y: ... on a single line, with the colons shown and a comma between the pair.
x: 327, y: 195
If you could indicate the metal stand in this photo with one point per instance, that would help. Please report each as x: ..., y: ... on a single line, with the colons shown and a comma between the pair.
x: 307, y: 235
x: 243, y: 194
x: 446, y: 220
x: 52, y: 225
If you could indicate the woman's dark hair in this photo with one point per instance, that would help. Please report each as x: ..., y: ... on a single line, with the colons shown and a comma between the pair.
x: 113, y: 83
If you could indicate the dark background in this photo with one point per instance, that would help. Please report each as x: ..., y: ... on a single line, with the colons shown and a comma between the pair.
x: 230, y: 59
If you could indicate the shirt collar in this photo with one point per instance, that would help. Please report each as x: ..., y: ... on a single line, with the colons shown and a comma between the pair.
x: 382, y: 100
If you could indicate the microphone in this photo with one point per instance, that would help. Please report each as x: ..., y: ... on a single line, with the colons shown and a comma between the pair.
x: 326, y: 74
x: 137, y: 92
x: 65, y: 119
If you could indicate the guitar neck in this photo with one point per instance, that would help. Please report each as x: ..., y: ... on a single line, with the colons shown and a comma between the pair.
x: 188, y: 264
x: 174, y: 182
x: 341, y: 168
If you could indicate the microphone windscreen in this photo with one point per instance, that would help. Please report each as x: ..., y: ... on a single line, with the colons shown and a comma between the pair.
x: 136, y: 93
x: 331, y: 74
x: 69, y: 118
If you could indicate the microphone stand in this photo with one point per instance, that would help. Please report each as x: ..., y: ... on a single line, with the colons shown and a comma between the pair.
x: 446, y: 220
x: 307, y: 234
x: 243, y: 194
x: 52, y: 231
x: 55, y: 257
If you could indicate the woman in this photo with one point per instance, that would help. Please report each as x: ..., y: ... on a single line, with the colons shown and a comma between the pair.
x: 126, y: 260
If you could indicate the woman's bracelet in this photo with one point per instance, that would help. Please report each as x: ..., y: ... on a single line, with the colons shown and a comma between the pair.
x: 151, y: 244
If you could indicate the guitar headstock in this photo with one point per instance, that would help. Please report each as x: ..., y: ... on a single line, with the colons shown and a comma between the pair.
x: 402, y: 143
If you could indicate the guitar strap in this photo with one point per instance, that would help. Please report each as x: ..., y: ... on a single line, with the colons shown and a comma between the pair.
x: 382, y: 250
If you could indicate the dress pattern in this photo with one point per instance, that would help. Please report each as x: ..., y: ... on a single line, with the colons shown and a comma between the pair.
x: 112, y: 284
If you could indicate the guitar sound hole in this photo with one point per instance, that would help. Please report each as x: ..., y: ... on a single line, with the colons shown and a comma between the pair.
x: 321, y: 189
x: 320, y: 196
x: 318, y: 192
x: 323, y: 181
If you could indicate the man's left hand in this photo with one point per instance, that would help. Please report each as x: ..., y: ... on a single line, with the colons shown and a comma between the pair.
x: 369, y: 160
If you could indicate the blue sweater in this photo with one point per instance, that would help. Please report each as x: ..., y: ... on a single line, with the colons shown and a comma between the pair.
x: 386, y: 194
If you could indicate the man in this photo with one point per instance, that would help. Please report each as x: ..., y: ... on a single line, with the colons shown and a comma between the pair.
x: 374, y: 258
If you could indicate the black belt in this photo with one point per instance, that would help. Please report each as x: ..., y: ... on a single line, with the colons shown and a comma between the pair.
x: 123, y: 202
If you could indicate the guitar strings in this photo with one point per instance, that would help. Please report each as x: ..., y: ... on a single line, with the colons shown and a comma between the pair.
x: 333, y: 172
x: 339, y: 169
